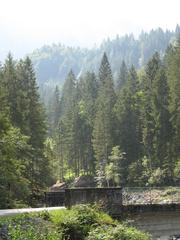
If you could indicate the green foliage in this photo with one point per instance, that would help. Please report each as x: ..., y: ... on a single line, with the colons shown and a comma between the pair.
x: 104, y: 120
x: 30, y: 228
x: 89, y: 119
x: 24, y: 168
x: 129, y: 122
x: 114, y: 169
x: 140, y: 116
x: 79, y: 223
x: 76, y: 223
x: 123, y: 76
x: 177, y: 170
x: 14, y: 161
x: 116, y: 233
x: 157, y: 177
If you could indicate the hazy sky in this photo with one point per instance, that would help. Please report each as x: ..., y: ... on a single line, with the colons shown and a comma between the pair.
x: 28, y: 24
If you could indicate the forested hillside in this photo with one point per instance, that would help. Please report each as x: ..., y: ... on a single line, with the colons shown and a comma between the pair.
x: 52, y: 63
x: 125, y: 134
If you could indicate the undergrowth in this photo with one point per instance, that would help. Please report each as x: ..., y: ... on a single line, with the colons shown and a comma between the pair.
x: 81, y: 222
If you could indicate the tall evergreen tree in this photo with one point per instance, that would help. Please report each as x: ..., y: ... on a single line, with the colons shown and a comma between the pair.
x: 68, y: 93
x: 151, y: 70
x: 69, y: 123
x: 163, y: 128
x: 32, y: 121
x: 54, y: 111
x: 127, y: 110
x: 103, y: 131
x: 173, y: 75
x: 11, y: 86
x: 123, y: 76
x: 87, y: 110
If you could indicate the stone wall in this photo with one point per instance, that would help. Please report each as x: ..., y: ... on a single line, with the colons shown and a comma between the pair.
x: 109, y: 198
x: 53, y: 199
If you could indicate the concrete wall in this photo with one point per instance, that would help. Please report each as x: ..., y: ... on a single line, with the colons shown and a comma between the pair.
x: 161, y: 225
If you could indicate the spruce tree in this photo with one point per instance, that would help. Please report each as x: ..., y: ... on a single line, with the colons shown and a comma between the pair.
x: 173, y: 75
x: 88, y: 91
x: 123, y: 76
x: 34, y: 124
x: 127, y: 109
x: 54, y: 112
x: 103, y: 132
x: 69, y: 123
x: 11, y: 87
x: 163, y: 128
x: 151, y: 70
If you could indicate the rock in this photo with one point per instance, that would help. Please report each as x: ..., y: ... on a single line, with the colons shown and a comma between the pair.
x: 84, y: 181
x: 58, y: 186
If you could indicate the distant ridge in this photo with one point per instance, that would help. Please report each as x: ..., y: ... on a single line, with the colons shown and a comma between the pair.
x: 52, y: 63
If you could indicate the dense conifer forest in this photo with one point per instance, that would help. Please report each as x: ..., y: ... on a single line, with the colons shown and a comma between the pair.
x: 124, y: 132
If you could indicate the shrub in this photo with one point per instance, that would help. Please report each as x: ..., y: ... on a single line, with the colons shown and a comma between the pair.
x: 116, y: 233
x: 75, y: 224
x: 28, y: 227
x: 79, y: 223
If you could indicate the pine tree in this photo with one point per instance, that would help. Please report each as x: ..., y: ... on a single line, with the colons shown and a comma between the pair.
x: 151, y: 70
x: 34, y: 123
x: 23, y: 101
x: 68, y: 93
x: 88, y: 91
x: 173, y: 75
x: 69, y: 123
x: 128, y: 113
x: 14, y: 155
x: 103, y: 131
x: 123, y: 76
x: 54, y: 112
x: 11, y: 87
x: 163, y: 129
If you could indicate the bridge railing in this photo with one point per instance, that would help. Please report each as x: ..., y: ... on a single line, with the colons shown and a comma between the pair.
x: 150, y: 195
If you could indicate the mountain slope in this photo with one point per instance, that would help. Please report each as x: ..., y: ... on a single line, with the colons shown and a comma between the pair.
x: 52, y: 63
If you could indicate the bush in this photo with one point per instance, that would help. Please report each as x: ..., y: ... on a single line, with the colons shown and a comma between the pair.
x: 75, y: 224
x: 79, y: 223
x: 27, y: 227
x: 116, y: 233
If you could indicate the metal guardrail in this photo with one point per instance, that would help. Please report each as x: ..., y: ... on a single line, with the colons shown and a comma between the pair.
x: 150, y: 195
